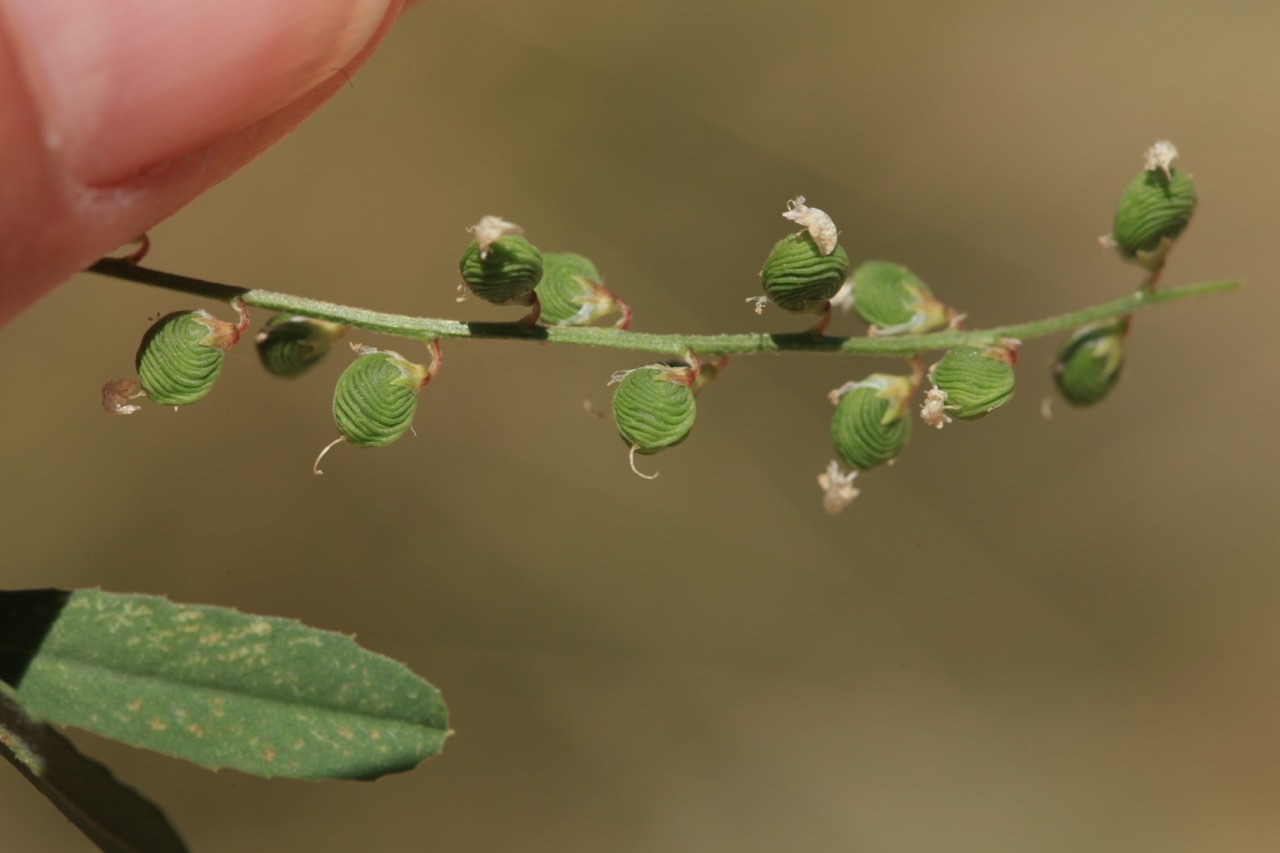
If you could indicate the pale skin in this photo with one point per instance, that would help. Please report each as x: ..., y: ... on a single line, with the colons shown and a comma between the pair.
x: 116, y: 113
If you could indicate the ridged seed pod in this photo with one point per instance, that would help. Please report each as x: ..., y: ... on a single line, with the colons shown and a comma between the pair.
x: 894, y: 301
x: 289, y: 346
x: 572, y: 294
x: 654, y: 407
x: 870, y: 424
x: 798, y: 278
x: 973, y: 381
x: 505, y: 273
x: 1154, y: 209
x: 1089, y: 362
x: 376, y: 396
x: 181, y: 354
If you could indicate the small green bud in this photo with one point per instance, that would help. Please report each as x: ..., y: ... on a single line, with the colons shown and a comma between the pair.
x: 870, y: 424
x: 571, y: 292
x: 500, y: 265
x: 654, y: 407
x: 1154, y: 209
x: 289, y: 346
x: 894, y: 301
x: 969, y: 383
x: 376, y: 397
x: 1089, y: 362
x: 181, y: 354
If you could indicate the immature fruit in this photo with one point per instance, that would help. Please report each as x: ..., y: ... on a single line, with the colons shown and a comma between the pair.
x: 376, y: 396
x: 654, y: 407
x: 894, y: 301
x: 181, y: 354
x: 289, y: 346
x: 1154, y: 209
x: 1089, y: 362
x: 972, y: 381
x: 505, y: 272
x: 870, y: 424
x: 799, y: 278
x: 572, y: 294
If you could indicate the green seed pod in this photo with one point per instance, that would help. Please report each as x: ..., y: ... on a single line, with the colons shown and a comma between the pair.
x: 654, y: 408
x: 1089, y: 362
x: 969, y: 383
x: 181, y: 354
x: 572, y: 294
x: 500, y: 265
x: 1154, y: 209
x: 289, y: 346
x: 376, y: 397
x: 894, y: 301
x: 799, y: 278
x: 870, y: 424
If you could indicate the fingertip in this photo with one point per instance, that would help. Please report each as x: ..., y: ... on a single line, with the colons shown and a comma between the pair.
x: 124, y: 85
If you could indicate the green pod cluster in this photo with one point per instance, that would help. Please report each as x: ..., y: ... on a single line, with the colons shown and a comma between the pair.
x: 974, y: 380
x: 1152, y: 212
x: 654, y: 407
x: 506, y: 273
x: 894, y: 301
x: 376, y: 396
x: 181, y: 355
x: 1088, y: 363
x: 798, y: 278
x: 870, y: 424
x: 289, y: 345
x: 571, y: 292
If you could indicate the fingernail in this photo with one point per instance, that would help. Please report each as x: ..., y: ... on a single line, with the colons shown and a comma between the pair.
x: 124, y: 85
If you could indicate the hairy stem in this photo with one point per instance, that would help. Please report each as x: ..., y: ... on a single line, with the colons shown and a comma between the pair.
x: 427, y: 328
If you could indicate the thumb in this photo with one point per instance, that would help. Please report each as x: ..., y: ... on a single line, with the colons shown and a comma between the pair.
x: 118, y: 112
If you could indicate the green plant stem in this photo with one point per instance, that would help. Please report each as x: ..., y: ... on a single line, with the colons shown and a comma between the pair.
x: 427, y: 328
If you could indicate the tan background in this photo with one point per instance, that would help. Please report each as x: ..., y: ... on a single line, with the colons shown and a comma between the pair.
x: 1027, y: 636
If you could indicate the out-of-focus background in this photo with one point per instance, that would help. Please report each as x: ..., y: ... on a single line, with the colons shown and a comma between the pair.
x: 1029, y: 634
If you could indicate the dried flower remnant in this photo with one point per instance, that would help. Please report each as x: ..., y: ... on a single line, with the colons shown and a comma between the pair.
x: 117, y: 393
x: 933, y: 411
x: 1160, y: 156
x: 489, y: 230
x: 821, y: 226
x: 837, y: 488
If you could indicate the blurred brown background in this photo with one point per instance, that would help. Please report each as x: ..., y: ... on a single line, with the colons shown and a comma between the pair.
x: 1028, y: 635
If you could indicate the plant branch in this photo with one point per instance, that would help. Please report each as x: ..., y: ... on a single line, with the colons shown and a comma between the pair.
x: 427, y: 328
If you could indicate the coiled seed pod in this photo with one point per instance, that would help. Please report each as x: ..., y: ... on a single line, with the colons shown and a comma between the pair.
x: 289, y: 346
x: 894, y: 301
x: 969, y: 383
x: 181, y: 355
x: 571, y: 292
x: 870, y: 424
x: 654, y: 407
x: 1154, y: 209
x: 1089, y: 362
x: 799, y: 278
x: 500, y: 265
x: 376, y: 397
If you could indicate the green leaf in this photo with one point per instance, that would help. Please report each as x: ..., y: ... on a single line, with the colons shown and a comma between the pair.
x: 111, y: 814
x: 216, y: 687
